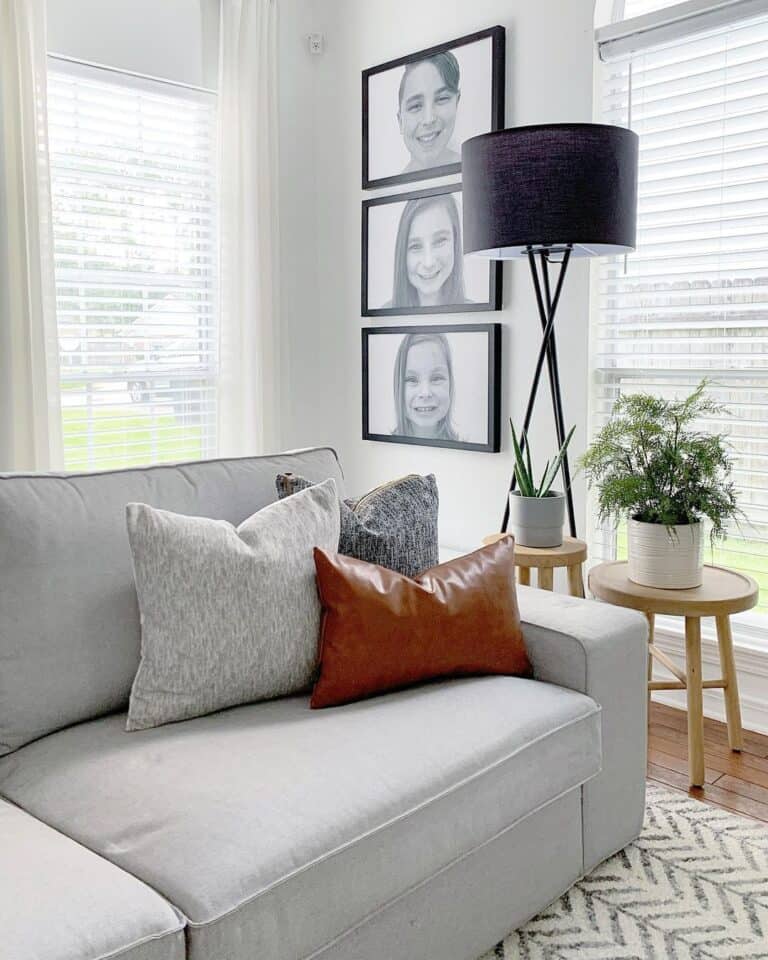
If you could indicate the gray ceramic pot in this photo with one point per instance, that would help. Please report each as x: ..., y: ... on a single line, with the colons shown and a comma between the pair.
x: 537, y: 521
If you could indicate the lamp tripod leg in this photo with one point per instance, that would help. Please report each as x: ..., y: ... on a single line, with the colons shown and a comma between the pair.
x: 557, y: 403
x: 528, y: 411
x: 557, y: 399
x: 547, y: 317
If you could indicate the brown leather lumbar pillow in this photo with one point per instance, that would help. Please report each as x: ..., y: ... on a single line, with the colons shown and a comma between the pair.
x: 381, y: 630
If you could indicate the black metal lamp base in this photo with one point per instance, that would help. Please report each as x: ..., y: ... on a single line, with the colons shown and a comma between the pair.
x: 547, y: 307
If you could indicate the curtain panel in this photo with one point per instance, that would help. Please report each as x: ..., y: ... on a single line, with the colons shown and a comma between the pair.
x: 30, y: 414
x: 249, y: 358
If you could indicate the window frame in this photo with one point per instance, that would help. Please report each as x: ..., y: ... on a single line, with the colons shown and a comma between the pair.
x: 191, y: 391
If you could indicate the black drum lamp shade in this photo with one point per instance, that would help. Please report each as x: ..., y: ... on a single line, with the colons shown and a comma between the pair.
x: 550, y: 186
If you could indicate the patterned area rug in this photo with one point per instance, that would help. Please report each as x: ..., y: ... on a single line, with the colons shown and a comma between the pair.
x: 694, y: 886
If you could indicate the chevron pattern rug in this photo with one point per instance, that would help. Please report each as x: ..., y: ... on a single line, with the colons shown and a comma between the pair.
x: 694, y: 886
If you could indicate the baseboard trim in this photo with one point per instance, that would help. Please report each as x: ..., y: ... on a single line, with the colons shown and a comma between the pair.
x: 751, y: 668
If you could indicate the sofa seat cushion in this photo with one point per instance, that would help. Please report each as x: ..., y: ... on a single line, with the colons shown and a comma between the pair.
x: 275, y: 828
x: 59, y: 901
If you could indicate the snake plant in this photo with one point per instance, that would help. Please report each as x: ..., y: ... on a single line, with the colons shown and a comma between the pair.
x: 524, y: 470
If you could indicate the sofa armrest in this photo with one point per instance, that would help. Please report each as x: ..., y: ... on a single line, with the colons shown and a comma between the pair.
x: 602, y: 651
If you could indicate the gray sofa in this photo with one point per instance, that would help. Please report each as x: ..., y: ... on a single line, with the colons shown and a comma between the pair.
x: 421, y: 824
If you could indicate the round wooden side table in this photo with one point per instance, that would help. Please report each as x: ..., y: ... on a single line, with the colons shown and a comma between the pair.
x: 570, y: 554
x: 722, y: 593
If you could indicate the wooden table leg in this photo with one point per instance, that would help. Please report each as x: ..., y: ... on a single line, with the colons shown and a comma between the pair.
x: 575, y: 581
x: 524, y: 576
x: 651, y: 624
x: 731, y: 691
x: 695, y: 704
x: 545, y: 578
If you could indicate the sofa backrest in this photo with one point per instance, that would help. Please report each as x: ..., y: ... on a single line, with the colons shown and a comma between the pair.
x: 69, y: 620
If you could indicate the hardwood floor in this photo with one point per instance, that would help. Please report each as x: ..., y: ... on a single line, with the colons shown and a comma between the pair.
x: 735, y: 781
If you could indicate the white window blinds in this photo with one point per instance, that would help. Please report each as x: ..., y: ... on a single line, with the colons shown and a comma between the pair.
x: 693, y: 300
x: 134, y: 224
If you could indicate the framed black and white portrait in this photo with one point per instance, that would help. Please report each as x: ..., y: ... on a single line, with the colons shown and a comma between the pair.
x: 433, y: 385
x: 412, y: 258
x: 418, y: 110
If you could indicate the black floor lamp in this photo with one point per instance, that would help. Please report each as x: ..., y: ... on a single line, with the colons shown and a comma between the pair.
x: 550, y: 192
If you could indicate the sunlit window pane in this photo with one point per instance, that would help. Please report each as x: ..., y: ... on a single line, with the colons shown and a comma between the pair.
x: 134, y: 222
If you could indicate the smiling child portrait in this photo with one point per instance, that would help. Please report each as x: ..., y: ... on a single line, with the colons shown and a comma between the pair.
x: 418, y: 110
x: 435, y: 385
x: 413, y: 261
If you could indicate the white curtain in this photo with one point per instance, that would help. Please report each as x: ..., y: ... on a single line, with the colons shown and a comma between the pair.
x: 248, y: 409
x: 30, y: 414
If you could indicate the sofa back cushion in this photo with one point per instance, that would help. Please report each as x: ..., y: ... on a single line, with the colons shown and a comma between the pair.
x: 69, y: 618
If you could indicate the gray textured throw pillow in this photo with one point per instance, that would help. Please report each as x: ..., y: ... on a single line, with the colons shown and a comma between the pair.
x: 229, y: 614
x: 394, y: 525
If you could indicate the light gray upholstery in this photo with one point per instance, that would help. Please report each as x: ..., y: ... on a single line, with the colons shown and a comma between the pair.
x: 417, y: 826
x: 465, y: 910
x: 69, y: 622
x: 600, y: 650
x: 59, y: 901
x: 275, y: 828
x: 229, y: 615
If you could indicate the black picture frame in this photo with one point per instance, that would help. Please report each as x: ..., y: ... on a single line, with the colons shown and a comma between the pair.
x: 493, y: 400
x: 494, y: 267
x: 497, y: 35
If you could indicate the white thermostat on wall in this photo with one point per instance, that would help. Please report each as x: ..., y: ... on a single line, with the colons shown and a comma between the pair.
x: 316, y: 42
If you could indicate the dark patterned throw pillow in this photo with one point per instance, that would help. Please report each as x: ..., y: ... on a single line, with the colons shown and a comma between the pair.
x: 394, y: 525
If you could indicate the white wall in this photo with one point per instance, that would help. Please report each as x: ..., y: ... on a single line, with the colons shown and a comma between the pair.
x: 549, y: 79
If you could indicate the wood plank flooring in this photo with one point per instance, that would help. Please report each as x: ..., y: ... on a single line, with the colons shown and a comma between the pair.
x: 734, y: 781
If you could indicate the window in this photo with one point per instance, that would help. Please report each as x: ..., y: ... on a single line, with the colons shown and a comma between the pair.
x: 134, y: 226
x: 693, y: 300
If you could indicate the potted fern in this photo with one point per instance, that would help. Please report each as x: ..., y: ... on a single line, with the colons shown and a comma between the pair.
x: 536, y: 511
x: 652, y: 466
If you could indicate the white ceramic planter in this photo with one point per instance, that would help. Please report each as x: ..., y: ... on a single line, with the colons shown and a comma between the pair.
x: 671, y: 558
x: 537, y: 521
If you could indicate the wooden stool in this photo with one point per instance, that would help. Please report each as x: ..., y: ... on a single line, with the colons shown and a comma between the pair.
x: 722, y: 593
x: 570, y: 554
